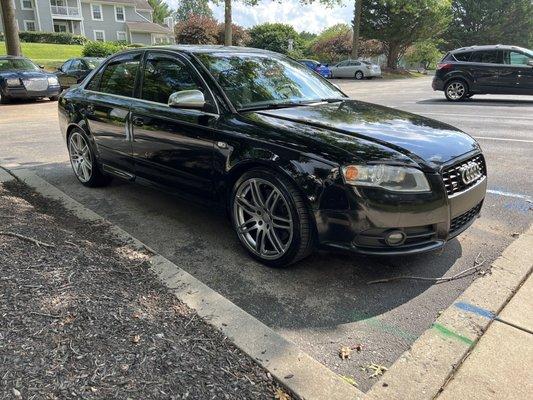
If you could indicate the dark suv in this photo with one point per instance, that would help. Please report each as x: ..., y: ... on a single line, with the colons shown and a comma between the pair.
x: 485, y: 70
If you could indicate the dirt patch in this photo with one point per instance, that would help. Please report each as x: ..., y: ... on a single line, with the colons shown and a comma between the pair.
x: 82, y: 316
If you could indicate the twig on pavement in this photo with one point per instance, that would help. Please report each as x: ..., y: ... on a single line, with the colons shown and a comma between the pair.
x: 478, y: 262
x: 27, y: 239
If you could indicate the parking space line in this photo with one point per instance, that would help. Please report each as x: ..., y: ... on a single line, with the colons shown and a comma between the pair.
x: 503, y: 139
x: 509, y: 194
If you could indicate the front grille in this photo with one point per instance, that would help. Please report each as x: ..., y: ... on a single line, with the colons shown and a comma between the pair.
x: 458, y: 222
x: 452, y: 176
x: 36, y: 84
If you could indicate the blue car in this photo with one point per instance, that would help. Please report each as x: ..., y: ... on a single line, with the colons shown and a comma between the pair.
x: 322, y: 69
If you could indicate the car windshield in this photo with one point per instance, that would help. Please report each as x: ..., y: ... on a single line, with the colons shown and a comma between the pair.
x: 94, y: 62
x: 267, y: 80
x: 17, y: 64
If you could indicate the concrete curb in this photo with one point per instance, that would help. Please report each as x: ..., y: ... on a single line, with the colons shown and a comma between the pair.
x: 423, y: 370
x: 305, y: 377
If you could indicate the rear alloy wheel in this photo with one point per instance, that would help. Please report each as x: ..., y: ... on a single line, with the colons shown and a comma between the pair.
x: 270, y: 218
x: 456, y: 90
x: 359, y: 75
x: 83, y: 161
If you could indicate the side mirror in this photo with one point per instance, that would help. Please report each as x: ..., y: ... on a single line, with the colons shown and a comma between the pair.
x: 530, y: 63
x: 41, y: 66
x: 187, y: 99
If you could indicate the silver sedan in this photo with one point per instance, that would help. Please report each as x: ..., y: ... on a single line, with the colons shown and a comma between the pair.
x: 355, y: 69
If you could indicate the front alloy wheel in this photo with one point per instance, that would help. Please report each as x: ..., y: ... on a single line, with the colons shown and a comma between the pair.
x: 359, y: 75
x: 456, y: 90
x: 270, y: 218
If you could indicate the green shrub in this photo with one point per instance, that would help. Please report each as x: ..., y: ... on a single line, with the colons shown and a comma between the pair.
x: 49, y: 37
x: 100, y: 49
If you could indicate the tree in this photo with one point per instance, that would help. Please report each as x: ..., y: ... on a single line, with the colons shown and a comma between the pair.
x: 356, y: 27
x: 335, y: 44
x: 425, y: 53
x: 400, y: 23
x: 490, y: 22
x: 239, y: 35
x: 197, y: 29
x: 161, y: 10
x: 275, y: 37
x: 11, y: 31
x: 190, y: 7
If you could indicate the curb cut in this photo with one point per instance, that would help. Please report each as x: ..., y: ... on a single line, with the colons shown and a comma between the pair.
x: 304, y: 376
x: 423, y: 370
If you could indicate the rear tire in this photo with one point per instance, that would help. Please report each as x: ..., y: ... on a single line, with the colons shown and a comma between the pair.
x: 4, y: 99
x: 54, y: 98
x: 271, y: 219
x: 359, y: 75
x: 456, y: 90
x: 83, y: 160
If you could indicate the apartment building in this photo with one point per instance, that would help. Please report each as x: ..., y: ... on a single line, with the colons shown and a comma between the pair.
x: 110, y: 20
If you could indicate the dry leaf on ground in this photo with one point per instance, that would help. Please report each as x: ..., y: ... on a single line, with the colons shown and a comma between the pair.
x: 281, y: 395
x: 344, y: 352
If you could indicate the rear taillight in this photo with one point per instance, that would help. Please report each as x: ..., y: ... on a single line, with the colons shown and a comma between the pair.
x: 444, y: 66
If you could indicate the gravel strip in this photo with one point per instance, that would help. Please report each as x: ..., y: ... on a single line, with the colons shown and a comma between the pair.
x: 82, y: 316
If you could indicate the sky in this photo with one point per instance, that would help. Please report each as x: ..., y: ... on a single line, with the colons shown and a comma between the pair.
x: 311, y: 18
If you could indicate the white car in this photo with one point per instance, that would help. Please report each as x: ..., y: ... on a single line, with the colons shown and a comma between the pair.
x: 355, y: 69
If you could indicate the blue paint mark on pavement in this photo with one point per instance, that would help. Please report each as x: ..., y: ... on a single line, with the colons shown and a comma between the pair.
x: 475, y: 310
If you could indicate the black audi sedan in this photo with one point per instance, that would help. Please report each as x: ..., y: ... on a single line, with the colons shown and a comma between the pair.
x: 296, y: 163
x: 20, y: 78
x: 498, y: 69
x: 74, y: 70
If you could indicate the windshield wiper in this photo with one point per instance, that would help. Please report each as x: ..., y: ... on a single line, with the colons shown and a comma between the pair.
x: 274, y: 106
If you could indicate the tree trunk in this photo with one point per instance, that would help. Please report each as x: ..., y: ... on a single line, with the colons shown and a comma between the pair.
x: 393, y: 54
x: 227, y: 23
x: 356, y: 25
x: 11, y: 31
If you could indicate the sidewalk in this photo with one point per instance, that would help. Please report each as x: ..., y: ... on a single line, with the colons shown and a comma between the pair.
x: 501, y: 364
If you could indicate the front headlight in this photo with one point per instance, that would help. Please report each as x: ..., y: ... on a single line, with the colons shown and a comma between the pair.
x: 13, y: 82
x: 389, y: 177
x: 52, y: 81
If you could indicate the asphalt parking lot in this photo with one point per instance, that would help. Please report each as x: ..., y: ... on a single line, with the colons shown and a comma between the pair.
x: 324, y: 302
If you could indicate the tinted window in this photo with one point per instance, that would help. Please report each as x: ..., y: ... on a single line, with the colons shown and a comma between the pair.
x: 164, y: 75
x: 487, y: 56
x: 354, y: 63
x: 515, y: 58
x: 76, y: 65
x: 118, y: 77
x: 465, y: 56
x: 65, y: 67
x: 342, y: 64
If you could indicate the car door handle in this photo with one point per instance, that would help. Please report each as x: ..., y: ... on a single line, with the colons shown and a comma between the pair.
x: 137, y: 121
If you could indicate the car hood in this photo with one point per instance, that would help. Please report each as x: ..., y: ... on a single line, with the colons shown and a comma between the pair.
x: 24, y: 74
x: 351, y: 122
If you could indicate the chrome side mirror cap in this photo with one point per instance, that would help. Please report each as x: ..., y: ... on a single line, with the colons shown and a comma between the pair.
x: 187, y: 99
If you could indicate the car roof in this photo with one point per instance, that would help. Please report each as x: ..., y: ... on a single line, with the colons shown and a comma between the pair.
x: 487, y: 47
x: 203, y: 49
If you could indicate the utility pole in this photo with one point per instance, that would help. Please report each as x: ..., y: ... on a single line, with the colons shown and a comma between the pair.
x: 356, y: 25
x: 227, y: 23
x: 11, y: 31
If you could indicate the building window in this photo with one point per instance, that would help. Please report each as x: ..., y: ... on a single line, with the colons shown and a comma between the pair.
x: 29, y: 25
x: 26, y: 4
x: 60, y: 27
x: 120, y: 16
x: 99, y: 36
x: 96, y: 11
x: 121, y: 36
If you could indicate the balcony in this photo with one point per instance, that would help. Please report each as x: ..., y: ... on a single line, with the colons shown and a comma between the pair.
x: 65, y: 12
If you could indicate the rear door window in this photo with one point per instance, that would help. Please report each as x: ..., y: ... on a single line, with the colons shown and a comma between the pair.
x: 118, y: 76
x: 486, y: 57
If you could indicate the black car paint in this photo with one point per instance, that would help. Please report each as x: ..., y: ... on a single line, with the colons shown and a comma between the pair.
x: 203, y: 153
x: 486, y: 78
x: 20, y: 91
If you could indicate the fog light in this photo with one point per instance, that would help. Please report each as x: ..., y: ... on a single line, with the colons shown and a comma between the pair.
x: 395, y: 238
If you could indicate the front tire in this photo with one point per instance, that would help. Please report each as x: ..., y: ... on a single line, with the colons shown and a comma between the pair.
x: 83, y: 160
x: 4, y: 99
x: 359, y: 75
x: 456, y: 90
x: 54, y: 98
x: 271, y: 218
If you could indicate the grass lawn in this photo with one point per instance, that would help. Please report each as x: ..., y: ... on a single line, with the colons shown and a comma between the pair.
x: 49, y: 55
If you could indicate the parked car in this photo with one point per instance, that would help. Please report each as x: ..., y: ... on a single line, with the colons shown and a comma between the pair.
x: 20, y: 78
x: 322, y: 69
x: 296, y: 163
x: 355, y: 69
x: 498, y: 69
x: 73, y: 71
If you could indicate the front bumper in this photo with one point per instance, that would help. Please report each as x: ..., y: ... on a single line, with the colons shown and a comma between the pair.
x: 427, y: 220
x: 20, y: 92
